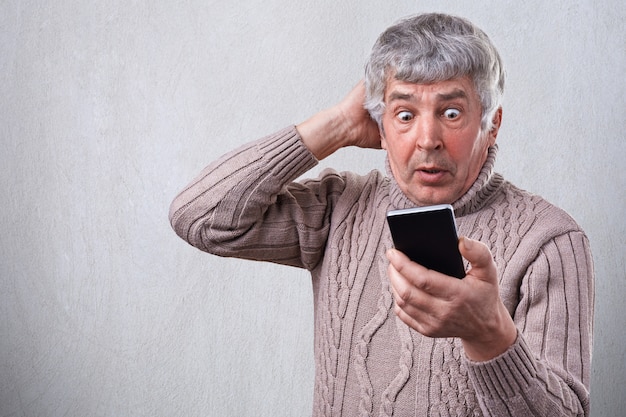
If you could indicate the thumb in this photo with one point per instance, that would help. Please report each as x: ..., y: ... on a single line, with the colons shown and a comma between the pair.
x: 479, y: 256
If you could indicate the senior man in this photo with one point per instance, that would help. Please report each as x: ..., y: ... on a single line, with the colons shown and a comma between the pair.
x: 393, y: 338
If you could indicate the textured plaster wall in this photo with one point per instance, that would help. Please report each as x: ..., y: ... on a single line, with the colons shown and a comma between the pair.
x: 108, y: 108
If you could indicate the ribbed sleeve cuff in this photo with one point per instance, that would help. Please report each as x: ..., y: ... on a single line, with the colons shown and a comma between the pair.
x: 506, y: 375
x: 286, y: 153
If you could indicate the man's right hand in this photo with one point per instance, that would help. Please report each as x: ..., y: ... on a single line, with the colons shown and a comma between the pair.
x: 345, y: 124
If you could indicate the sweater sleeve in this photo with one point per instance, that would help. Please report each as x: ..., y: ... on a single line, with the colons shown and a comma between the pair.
x: 245, y: 204
x: 547, y: 371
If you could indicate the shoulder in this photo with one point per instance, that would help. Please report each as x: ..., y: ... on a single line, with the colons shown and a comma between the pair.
x: 528, y: 223
x: 520, y: 227
x: 537, y: 211
x: 517, y: 223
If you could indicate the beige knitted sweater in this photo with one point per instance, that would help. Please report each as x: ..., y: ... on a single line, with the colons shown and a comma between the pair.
x: 369, y: 363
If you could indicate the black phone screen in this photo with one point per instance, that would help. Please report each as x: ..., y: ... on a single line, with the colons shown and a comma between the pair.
x: 428, y: 236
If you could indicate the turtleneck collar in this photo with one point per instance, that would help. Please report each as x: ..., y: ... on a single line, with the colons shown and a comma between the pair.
x: 473, y: 200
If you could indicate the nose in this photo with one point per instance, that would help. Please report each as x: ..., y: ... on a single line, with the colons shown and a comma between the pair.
x: 428, y: 134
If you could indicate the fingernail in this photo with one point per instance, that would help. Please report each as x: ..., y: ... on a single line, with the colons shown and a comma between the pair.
x: 467, y: 243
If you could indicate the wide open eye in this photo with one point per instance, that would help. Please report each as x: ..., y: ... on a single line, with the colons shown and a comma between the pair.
x: 405, y: 116
x: 451, y: 114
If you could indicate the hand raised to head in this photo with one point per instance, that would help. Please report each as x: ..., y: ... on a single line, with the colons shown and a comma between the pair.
x: 364, y: 131
x: 347, y: 123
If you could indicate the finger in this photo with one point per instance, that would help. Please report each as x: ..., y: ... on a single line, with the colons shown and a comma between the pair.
x: 427, y: 280
x: 479, y: 257
x: 420, y: 314
x: 411, y: 321
x: 404, y: 293
x: 407, y: 302
x: 413, y: 301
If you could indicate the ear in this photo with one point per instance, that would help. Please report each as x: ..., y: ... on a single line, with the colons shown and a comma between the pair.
x: 383, y: 140
x: 496, y: 123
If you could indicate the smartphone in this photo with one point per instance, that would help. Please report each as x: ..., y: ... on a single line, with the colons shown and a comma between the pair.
x: 428, y: 236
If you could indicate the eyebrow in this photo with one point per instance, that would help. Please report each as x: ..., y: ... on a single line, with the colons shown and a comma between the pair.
x: 396, y: 95
x: 454, y: 94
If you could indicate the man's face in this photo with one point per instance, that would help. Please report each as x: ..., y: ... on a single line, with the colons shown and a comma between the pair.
x: 433, y: 138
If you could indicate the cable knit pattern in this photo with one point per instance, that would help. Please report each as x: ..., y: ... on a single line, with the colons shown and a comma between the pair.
x: 367, y: 361
x: 447, y: 367
x: 361, y: 351
x: 405, y: 363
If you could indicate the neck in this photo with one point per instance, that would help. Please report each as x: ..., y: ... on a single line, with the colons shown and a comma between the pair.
x: 477, y: 195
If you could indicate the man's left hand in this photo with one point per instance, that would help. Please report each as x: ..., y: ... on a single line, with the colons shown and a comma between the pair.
x: 437, y: 305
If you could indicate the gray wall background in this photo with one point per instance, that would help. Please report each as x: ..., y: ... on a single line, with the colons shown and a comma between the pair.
x: 108, y: 108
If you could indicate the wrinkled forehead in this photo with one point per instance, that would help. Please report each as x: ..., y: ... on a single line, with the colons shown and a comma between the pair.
x: 462, y: 88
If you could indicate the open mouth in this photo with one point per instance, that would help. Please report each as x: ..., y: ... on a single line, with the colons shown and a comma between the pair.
x: 431, y: 176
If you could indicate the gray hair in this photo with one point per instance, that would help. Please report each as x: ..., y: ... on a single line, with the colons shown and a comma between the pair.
x: 435, y: 47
